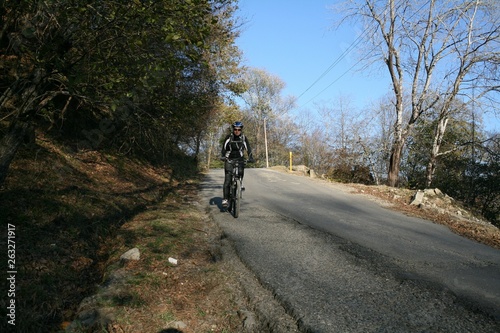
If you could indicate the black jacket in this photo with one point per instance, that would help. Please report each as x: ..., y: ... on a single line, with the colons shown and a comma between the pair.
x: 235, y: 145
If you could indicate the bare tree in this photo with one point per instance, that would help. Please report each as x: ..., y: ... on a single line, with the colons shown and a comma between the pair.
x: 447, y: 47
x: 378, y: 136
x: 314, y: 152
x: 310, y: 150
x: 342, y: 128
x: 263, y: 99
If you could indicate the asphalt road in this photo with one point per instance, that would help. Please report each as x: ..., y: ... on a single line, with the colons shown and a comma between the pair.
x: 338, y: 262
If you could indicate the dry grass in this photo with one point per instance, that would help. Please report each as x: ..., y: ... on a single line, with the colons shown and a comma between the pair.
x: 198, y: 294
x: 76, y: 213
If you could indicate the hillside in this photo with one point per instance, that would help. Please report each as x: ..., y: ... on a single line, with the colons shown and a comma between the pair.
x: 74, y: 214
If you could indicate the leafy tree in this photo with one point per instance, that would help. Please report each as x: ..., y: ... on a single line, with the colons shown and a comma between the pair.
x: 473, y: 178
x: 467, y: 165
x: 486, y: 195
x: 455, y: 142
x: 144, y: 76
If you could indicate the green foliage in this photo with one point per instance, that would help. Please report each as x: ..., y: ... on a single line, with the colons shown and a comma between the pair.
x: 467, y: 170
x: 139, y: 76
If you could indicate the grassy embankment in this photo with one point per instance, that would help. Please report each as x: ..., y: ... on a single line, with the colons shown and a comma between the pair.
x: 76, y: 213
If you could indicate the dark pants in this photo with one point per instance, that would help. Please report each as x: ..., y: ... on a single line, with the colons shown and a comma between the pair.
x: 228, y: 170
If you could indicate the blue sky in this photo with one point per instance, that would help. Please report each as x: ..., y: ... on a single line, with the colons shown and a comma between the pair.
x: 295, y: 41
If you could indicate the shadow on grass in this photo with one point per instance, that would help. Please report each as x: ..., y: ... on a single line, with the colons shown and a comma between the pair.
x: 67, y: 212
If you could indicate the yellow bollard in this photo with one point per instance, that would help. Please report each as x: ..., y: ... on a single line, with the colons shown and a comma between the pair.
x: 290, y: 161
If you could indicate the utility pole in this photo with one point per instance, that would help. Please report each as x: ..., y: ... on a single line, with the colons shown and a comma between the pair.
x: 265, y: 142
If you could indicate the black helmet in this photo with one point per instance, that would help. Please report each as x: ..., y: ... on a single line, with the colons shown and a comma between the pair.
x: 238, y: 124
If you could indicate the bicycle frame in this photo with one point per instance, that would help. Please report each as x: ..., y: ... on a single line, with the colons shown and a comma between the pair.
x: 235, y: 193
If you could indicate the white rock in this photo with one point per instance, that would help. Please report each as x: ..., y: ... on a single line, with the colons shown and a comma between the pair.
x: 179, y: 325
x: 132, y: 254
x: 418, y: 198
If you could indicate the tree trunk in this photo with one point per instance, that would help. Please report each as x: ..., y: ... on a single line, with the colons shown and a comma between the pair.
x: 210, y: 148
x: 436, y: 145
x: 258, y: 136
x: 431, y: 168
x: 9, y: 145
x: 394, y: 163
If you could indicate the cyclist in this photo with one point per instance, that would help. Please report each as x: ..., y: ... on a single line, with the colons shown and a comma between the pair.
x: 233, y: 149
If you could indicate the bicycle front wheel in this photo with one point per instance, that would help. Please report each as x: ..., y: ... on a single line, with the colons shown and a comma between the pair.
x: 237, y: 199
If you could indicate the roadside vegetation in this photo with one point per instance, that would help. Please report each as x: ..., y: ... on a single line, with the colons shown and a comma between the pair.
x: 72, y: 226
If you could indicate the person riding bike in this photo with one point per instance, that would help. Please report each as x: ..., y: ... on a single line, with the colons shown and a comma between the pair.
x: 232, y: 149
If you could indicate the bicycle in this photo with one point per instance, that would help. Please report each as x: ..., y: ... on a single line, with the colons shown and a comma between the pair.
x: 235, y: 189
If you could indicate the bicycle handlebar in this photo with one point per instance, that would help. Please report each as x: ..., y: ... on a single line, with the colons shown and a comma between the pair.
x: 233, y: 161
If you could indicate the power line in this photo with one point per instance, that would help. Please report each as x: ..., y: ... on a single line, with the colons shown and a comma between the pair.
x: 355, y: 43
x: 344, y: 54
x: 340, y: 58
x: 333, y: 82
